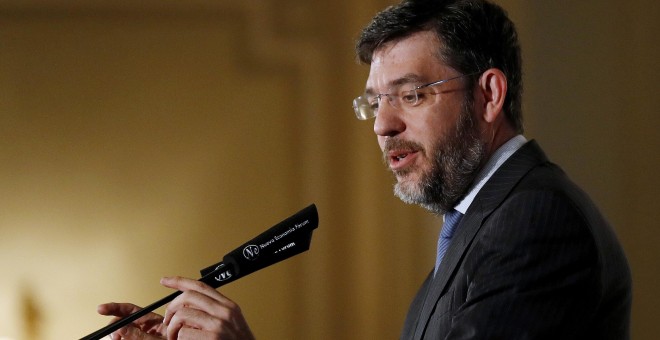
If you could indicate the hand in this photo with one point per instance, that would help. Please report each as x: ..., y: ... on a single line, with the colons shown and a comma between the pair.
x: 148, y: 327
x: 201, y: 312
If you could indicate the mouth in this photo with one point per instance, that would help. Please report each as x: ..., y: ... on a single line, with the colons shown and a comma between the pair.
x: 401, y: 159
x: 401, y: 155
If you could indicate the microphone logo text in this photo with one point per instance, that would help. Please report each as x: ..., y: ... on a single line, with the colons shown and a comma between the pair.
x: 226, y: 275
x: 251, y: 252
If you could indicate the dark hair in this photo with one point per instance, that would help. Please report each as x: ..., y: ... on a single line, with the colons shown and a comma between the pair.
x: 476, y: 35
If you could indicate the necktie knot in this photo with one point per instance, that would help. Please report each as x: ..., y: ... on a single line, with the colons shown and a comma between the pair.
x: 452, y: 219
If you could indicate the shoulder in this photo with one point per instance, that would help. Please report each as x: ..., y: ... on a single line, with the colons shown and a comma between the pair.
x: 546, y: 203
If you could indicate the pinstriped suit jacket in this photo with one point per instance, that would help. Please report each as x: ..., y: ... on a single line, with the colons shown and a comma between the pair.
x: 531, y: 259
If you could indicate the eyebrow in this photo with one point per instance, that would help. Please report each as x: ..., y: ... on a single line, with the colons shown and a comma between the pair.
x: 409, y: 78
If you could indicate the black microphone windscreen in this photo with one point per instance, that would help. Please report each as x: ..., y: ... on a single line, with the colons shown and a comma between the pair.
x: 287, y: 238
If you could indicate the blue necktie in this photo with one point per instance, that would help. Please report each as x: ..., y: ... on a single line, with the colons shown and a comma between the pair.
x: 452, y: 218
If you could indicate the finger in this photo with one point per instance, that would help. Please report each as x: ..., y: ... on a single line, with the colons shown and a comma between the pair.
x: 231, y: 325
x: 225, y: 310
x: 197, y: 295
x: 194, y: 318
x: 190, y: 323
x: 121, y: 310
x: 196, y: 300
x: 134, y: 333
x: 185, y: 284
x: 222, y: 330
x: 174, y: 325
x: 117, y: 309
x: 198, y: 334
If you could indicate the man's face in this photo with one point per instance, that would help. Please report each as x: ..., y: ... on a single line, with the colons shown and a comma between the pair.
x: 434, y: 149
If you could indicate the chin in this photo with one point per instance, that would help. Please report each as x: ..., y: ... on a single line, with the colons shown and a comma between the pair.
x: 409, y: 192
x: 407, y: 184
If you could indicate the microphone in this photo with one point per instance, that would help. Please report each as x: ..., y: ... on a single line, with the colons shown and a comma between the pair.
x: 285, y: 239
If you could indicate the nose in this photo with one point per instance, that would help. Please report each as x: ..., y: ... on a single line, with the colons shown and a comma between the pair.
x: 389, y: 121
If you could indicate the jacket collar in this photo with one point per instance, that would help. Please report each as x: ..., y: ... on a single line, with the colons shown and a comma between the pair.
x: 490, y: 196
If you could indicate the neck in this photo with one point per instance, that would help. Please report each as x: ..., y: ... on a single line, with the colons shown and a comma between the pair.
x: 496, y: 136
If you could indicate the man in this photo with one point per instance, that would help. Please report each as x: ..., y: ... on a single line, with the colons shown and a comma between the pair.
x: 523, y: 253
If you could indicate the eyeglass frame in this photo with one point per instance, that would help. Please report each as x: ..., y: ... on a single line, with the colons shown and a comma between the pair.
x: 390, y: 96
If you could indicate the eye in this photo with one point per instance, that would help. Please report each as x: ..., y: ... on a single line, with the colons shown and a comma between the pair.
x: 409, y: 97
x: 373, y: 102
x: 421, y: 94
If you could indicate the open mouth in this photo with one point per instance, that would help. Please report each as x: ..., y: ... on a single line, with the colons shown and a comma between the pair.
x: 401, y: 155
x: 400, y: 159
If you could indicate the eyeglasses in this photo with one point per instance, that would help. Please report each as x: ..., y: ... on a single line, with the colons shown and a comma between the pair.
x: 366, y: 106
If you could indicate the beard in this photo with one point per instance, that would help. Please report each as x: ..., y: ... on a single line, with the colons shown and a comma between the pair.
x: 455, y: 158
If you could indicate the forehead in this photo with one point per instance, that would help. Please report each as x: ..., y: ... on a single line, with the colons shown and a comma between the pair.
x: 412, y: 59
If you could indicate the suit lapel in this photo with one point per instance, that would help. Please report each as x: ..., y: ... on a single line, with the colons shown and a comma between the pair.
x: 488, y: 198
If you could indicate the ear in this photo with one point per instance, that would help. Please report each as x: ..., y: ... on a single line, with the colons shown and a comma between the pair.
x: 492, y: 90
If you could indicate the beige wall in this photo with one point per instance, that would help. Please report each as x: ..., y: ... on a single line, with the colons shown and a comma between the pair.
x: 147, y: 140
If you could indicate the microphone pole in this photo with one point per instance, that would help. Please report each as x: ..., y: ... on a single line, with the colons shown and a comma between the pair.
x: 286, y: 239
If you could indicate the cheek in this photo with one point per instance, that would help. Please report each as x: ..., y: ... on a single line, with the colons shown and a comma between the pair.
x: 429, y: 131
x: 433, y: 125
x: 381, y: 142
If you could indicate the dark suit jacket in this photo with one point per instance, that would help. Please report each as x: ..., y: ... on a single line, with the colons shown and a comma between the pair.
x: 531, y: 259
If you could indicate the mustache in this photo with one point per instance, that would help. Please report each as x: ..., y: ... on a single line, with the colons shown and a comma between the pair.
x: 400, y: 144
